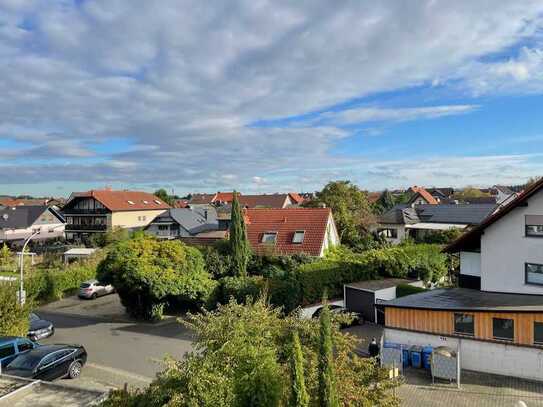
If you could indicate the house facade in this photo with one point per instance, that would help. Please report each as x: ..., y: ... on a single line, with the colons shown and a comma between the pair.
x: 184, y: 222
x: 17, y: 223
x: 99, y: 211
x: 405, y: 221
x: 495, y: 317
x: 291, y: 230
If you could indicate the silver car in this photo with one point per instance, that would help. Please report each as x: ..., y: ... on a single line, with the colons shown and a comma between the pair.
x: 93, y: 289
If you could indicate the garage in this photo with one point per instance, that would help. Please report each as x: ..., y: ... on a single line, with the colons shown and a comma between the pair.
x: 364, y: 296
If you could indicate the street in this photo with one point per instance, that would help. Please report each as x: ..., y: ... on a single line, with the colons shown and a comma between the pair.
x: 119, y: 350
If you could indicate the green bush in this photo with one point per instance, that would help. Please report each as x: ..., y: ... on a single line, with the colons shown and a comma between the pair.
x: 51, y: 284
x: 405, y: 289
x: 240, y: 288
x: 148, y: 274
x: 14, y: 318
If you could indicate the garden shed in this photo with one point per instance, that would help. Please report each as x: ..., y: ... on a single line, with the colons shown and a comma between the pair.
x: 364, y: 296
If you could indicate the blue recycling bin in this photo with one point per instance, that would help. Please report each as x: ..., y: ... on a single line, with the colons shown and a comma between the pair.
x: 416, y: 356
x: 405, y: 356
x: 426, y: 357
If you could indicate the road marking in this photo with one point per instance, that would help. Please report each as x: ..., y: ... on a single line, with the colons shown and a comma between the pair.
x: 121, y: 372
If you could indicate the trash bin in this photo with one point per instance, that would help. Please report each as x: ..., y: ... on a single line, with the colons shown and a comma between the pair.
x: 405, y: 356
x: 427, y: 357
x: 416, y: 356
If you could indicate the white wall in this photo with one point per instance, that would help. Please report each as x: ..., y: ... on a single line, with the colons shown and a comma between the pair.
x: 505, y: 250
x: 386, y: 294
x: 400, y: 230
x: 495, y: 358
x: 470, y: 264
x: 331, y: 237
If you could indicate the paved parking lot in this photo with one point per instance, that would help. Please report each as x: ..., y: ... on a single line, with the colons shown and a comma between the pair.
x: 120, y: 350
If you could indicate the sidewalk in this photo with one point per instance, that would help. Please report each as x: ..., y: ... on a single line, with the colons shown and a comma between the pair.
x: 477, y: 389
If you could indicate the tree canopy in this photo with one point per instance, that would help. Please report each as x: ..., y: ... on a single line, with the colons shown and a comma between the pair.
x: 351, y: 209
x: 148, y: 273
x: 243, y: 357
x: 163, y: 194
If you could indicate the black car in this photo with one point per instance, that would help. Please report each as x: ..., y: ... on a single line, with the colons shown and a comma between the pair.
x: 339, y: 310
x: 39, y: 328
x: 49, y: 362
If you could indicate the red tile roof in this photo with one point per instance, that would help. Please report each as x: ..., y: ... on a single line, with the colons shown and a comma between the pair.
x: 313, y: 221
x: 296, y: 198
x: 20, y: 202
x: 425, y: 194
x: 124, y: 200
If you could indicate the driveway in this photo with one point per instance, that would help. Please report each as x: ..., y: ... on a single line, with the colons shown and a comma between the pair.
x: 120, y: 350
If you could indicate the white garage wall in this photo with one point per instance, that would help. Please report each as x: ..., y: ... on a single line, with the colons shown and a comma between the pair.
x: 495, y: 358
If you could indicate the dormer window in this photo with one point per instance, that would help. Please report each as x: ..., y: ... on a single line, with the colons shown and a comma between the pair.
x: 145, y: 202
x: 298, y: 237
x: 534, y: 225
x: 269, y: 237
x: 131, y: 202
x: 158, y: 202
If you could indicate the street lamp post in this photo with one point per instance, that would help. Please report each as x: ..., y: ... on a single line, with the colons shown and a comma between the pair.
x: 22, y: 295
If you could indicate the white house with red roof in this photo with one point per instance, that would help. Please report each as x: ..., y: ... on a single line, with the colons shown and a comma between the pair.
x: 291, y: 230
x: 98, y: 211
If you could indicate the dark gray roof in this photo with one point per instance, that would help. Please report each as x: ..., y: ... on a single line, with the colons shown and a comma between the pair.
x: 465, y: 299
x: 23, y: 216
x: 470, y: 214
x: 401, y: 213
x: 465, y: 214
x: 376, y: 285
x: 193, y: 220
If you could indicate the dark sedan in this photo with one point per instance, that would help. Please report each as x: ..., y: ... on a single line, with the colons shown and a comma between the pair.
x: 39, y: 328
x: 49, y: 362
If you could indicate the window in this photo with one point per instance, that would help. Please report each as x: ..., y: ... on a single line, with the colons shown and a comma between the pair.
x: 7, y: 350
x: 463, y: 324
x: 158, y: 202
x: 298, y: 236
x: 144, y: 218
x: 390, y: 233
x: 503, y: 329
x: 534, y: 273
x: 24, y: 346
x: 145, y: 202
x: 130, y: 202
x: 162, y: 227
x: 538, y: 333
x: 269, y: 237
x: 534, y: 225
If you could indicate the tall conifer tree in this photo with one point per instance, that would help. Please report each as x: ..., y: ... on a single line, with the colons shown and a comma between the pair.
x: 239, y: 246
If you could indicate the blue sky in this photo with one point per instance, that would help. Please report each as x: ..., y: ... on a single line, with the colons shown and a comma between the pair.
x: 268, y: 96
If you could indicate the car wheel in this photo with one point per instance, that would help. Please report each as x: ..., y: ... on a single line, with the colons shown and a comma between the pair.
x: 74, y: 371
x: 94, y: 296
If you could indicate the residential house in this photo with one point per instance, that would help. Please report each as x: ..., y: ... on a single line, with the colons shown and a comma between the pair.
x: 420, y: 196
x: 184, y: 222
x: 291, y: 230
x: 17, y: 223
x: 98, y: 211
x: 403, y: 221
x: 248, y: 201
x: 495, y: 317
x: 441, y: 195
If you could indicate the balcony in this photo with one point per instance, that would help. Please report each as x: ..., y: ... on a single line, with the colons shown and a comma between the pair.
x: 85, y: 228
x: 97, y: 211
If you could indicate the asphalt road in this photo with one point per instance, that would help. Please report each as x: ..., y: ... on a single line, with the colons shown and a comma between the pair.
x: 118, y: 352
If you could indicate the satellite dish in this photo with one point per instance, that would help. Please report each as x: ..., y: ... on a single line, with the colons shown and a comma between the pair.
x: 5, y: 216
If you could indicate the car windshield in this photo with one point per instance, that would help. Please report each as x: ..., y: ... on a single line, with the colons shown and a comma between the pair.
x: 25, y: 362
x: 34, y: 317
x: 85, y: 285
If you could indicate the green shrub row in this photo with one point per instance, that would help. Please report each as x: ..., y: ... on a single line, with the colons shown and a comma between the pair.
x: 405, y: 289
x: 307, y: 283
x: 53, y: 283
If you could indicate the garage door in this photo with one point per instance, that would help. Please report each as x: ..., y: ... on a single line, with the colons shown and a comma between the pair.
x: 360, y: 301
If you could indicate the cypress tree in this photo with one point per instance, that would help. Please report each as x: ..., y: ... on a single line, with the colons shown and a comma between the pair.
x: 328, y: 396
x: 300, y: 398
x: 239, y: 246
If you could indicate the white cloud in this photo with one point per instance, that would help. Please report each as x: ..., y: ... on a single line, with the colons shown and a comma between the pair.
x: 183, y: 81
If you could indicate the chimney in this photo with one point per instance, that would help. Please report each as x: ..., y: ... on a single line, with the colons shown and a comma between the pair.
x: 205, y: 214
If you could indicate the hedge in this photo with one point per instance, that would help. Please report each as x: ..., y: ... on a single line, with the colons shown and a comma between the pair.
x: 51, y: 284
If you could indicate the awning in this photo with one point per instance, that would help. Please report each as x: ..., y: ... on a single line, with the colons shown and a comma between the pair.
x: 435, y: 226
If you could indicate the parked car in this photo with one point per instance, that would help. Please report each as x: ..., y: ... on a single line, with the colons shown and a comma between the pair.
x: 40, y: 328
x: 49, y: 362
x: 93, y: 289
x: 339, y: 310
x: 12, y: 346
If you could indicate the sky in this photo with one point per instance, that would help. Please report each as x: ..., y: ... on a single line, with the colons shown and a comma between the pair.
x: 266, y: 96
